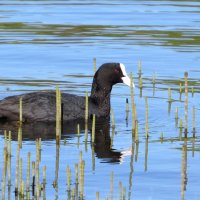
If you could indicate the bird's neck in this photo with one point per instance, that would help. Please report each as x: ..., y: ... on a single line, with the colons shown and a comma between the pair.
x: 100, y: 95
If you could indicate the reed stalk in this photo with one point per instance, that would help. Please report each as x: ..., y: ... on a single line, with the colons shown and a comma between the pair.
x: 140, y: 68
x: 78, y: 130
x: 82, y: 170
x: 140, y: 82
x: 169, y: 95
x: 3, y: 183
x: 58, y: 114
x: 76, y: 180
x: 17, y: 170
x: 33, y: 178
x: 180, y: 88
x: 180, y: 127
x: 136, y: 124
x: 95, y: 64
x: 78, y: 134
x: 93, y: 159
x: 44, y: 176
x: 184, y: 171
x: 9, y: 158
x: 22, y: 190
x: 154, y: 79
x: 20, y: 136
x: 37, y: 170
x: 93, y: 128
x: 193, y: 91
x: 132, y: 105
x: 20, y: 110
x: 97, y: 195
x: 124, y: 193
x: 193, y: 121
x: 20, y: 175
x: 111, y: 185
x: 68, y: 180
x: 112, y: 119
x: 120, y: 191
x: 86, y: 107
x: 186, y: 104
x: 86, y: 120
x: 28, y: 172
x: 176, y: 113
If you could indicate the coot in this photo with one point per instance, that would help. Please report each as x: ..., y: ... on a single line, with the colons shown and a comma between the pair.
x: 41, y: 106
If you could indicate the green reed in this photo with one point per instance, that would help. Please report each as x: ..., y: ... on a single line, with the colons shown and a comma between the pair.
x: 132, y: 105
x: 68, y: 170
x: 193, y: 121
x: 112, y: 119
x: 95, y: 64
x: 20, y: 110
x: 93, y: 128
x: 111, y: 185
x: 139, y: 68
x: 28, y: 172
x: 186, y: 104
x: 58, y: 114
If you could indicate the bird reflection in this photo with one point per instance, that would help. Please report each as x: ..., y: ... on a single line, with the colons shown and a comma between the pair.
x: 46, y: 131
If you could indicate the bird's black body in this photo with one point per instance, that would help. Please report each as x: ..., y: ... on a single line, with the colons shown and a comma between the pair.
x: 41, y: 106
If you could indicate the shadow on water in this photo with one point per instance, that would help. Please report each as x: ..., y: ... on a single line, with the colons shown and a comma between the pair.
x: 46, y: 131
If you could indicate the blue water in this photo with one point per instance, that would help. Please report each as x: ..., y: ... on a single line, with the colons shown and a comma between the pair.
x: 49, y: 43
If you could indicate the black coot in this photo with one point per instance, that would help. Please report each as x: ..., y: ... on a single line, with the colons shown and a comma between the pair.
x: 41, y: 106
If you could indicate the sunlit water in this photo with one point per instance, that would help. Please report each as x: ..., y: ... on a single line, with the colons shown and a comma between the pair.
x: 49, y: 43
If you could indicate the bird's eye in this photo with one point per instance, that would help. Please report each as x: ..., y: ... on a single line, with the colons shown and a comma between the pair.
x: 116, y: 71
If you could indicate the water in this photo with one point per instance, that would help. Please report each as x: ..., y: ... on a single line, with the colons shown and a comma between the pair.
x: 49, y: 43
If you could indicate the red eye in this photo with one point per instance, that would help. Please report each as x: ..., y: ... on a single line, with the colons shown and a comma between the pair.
x: 116, y: 71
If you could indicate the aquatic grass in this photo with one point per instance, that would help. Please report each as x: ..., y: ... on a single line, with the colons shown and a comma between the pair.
x: 17, y: 167
x: 112, y: 118
x: 120, y: 191
x: 169, y: 95
x: 68, y: 170
x: 3, y: 183
x: 9, y: 158
x: 184, y: 171
x: 93, y: 128
x: 97, y: 195
x: 37, y: 163
x: 139, y: 68
x: 78, y: 134
x: 86, y: 120
x: 20, y: 110
x: 58, y: 114
x: 28, y: 172
x: 95, y: 64
x: 193, y: 121
x: 132, y: 105
x: 186, y: 104
x: 44, y: 176
x: 111, y: 185
x: 33, y: 178
x: 86, y: 107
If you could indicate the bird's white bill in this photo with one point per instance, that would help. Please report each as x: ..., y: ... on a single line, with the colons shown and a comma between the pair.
x: 126, y: 80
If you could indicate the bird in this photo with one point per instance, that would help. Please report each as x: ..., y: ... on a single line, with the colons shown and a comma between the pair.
x: 40, y: 106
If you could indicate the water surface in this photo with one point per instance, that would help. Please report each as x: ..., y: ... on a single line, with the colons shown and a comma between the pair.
x: 47, y: 43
